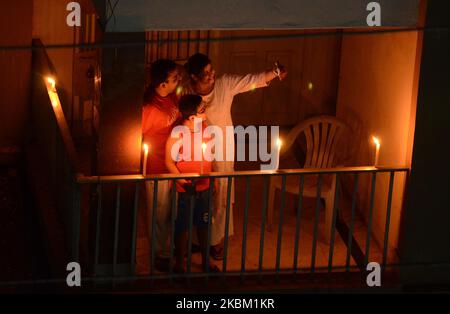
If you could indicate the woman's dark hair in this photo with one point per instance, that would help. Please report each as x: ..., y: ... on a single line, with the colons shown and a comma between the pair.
x: 159, y: 73
x: 188, y: 105
x: 196, y: 63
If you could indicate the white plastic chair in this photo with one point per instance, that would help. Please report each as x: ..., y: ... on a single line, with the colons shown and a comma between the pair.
x: 323, y: 135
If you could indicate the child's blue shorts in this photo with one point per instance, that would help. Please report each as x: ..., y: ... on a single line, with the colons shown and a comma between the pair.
x: 200, y: 210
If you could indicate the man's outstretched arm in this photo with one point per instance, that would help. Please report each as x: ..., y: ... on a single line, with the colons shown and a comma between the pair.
x: 240, y: 84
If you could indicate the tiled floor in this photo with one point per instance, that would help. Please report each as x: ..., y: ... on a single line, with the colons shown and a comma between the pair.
x: 271, y: 238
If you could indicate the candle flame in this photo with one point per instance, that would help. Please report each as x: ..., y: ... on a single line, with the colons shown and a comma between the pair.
x: 376, y: 141
x: 279, y: 143
x: 51, y: 81
x: 145, y: 148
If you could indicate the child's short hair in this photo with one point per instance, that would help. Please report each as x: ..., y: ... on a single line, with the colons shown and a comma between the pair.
x: 188, y: 105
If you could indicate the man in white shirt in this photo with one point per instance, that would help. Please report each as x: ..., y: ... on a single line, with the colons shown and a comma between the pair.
x: 218, y: 97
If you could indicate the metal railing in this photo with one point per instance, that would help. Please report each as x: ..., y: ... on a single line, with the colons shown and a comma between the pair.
x: 98, y: 182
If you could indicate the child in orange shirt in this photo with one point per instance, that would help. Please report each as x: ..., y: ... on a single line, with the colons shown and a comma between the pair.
x: 191, y: 195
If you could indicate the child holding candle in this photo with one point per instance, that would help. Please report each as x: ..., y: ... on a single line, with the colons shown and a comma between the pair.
x: 193, y: 195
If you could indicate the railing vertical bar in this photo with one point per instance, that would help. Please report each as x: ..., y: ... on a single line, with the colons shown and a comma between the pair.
x: 227, y: 225
x: 189, y: 252
x: 333, y: 224
x: 352, y: 221
x: 153, y: 240
x: 172, y: 223
x: 297, y: 226
x: 369, y: 225
x: 263, y: 226
x: 316, y: 225
x: 244, y: 232
x: 134, y: 230
x: 208, y: 243
x: 280, y: 227
x: 116, y: 228
x: 388, y: 219
x: 98, y: 226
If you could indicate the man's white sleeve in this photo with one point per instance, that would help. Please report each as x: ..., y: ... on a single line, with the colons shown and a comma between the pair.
x: 241, y: 84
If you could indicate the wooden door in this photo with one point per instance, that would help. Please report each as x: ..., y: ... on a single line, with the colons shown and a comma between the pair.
x: 310, y: 88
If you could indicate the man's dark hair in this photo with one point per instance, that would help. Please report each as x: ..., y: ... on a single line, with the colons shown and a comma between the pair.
x: 159, y: 73
x: 196, y: 63
x: 188, y: 105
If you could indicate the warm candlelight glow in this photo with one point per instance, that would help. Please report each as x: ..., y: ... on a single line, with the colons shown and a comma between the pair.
x: 376, y: 141
x: 279, y: 143
x: 144, y: 166
x: 201, y: 162
x: 277, y: 161
x: 54, y: 99
x: 52, y: 82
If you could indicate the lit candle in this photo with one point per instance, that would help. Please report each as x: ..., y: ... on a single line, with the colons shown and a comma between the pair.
x: 203, y: 153
x: 52, y: 83
x: 51, y: 87
x: 144, y: 170
x: 376, y: 141
x: 279, y: 143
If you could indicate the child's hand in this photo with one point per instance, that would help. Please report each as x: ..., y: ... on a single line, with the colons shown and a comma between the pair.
x: 189, y: 188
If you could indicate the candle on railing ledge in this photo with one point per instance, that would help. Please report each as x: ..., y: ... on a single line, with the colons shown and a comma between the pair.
x: 279, y: 143
x: 203, y: 156
x: 376, y: 141
x: 144, y: 170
